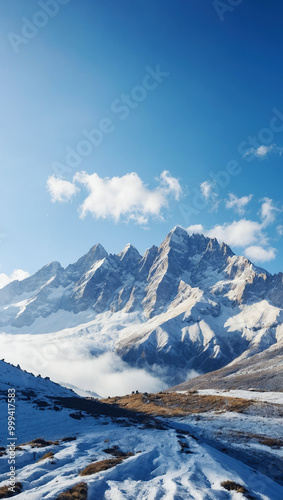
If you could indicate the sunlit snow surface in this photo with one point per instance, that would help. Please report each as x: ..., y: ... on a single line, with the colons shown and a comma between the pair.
x: 268, y: 397
x: 157, y: 470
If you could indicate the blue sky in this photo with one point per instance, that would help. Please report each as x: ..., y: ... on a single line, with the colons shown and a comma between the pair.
x: 184, y: 101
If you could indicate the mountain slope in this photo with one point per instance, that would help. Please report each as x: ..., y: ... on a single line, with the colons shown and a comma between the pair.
x: 87, y: 445
x: 262, y: 372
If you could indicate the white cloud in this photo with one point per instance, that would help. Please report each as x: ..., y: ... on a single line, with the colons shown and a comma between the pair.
x: 268, y: 211
x: 206, y: 188
x: 263, y: 151
x: 171, y: 185
x: 239, y: 233
x: 196, y: 229
x: 208, y: 192
x: 242, y: 233
x: 60, y: 190
x: 106, y: 375
x: 192, y: 374
x: 260, y: 254
x: 238, y: 204
x: 69, y: 361
x: 18, y: 274
x: 250, y: 235
x: 120, y: 198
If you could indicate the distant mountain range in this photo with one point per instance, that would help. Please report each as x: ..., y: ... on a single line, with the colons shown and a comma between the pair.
x: 191, y: 304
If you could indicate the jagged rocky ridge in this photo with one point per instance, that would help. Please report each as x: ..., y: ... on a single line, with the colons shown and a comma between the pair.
x: 200, y: 306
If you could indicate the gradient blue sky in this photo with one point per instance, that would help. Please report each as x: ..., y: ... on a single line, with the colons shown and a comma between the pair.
x: 225, y: 79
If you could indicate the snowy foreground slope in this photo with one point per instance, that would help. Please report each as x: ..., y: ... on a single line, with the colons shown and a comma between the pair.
x: 190, y: 304
x: 163, y: 459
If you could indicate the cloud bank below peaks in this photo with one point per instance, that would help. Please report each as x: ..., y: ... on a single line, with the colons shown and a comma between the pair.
x: 122, y: 199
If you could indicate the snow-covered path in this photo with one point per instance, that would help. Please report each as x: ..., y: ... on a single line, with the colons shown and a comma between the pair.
x: 158, y: 469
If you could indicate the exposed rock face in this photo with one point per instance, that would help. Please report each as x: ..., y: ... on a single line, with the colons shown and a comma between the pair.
x: 200, y: 305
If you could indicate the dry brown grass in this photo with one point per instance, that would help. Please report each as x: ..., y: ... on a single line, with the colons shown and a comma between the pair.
x: 78, y: 492
x: 50, y: 454
x: 176, y: 404
x: 116, y: 452
x: 42, y: 443
x: 6, y: 493
x: 68, y: 439
x: 102, y: 465
x: 232, y: 486
x: 39, y: 443
x: 265, y: 440
x: 271, y: 442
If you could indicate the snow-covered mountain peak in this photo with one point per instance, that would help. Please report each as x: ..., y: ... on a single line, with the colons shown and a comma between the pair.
x: 147, y: 262
x: 177, y: 233
x: 129, y: 252
x: 96, y: 253
x: 226, y: 249
x: 45, y: 273
x: 150, y: 251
